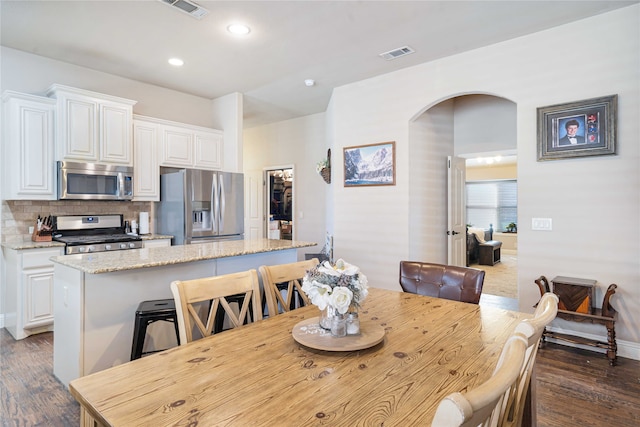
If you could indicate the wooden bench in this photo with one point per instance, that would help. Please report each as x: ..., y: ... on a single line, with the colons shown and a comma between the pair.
x: 489, y: 252
x: 602, y: 316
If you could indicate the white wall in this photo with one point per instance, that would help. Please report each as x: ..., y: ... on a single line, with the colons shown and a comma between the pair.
x: 302, y: 143
x: 24, y: 72
x: 484, y: 121
x: 431, y: 141
x: 580, y: 195
x: 227, y: 116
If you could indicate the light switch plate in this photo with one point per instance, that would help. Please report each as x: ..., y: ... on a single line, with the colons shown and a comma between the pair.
x: 541, y: 224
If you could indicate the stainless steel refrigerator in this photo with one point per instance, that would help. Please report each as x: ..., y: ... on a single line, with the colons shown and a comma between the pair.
x: 200, y: 206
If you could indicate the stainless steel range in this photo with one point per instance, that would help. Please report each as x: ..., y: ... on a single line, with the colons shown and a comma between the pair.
x: 93, y: 233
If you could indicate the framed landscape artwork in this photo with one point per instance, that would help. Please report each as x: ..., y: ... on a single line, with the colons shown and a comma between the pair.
x: 373, y: 164
x: 577, y: 129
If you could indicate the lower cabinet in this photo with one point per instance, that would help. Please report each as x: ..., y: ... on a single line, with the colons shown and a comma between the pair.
x: 29, y: 291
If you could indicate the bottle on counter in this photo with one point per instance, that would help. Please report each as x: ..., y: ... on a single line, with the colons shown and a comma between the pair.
x: 134, y: 227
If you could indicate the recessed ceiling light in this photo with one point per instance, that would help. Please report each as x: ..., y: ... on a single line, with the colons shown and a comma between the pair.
x: 309, y: 82
x: 176, y: 62
x: 239, y: 29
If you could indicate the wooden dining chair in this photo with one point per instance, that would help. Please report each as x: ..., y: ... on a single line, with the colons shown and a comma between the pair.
x: 283, y: 285
x: 532, y: 329
x: 198, y: 301
x: 484, y: 405
x: 442, y: 281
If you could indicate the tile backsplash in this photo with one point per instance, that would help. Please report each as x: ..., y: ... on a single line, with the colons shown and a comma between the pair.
x: 19, y: 215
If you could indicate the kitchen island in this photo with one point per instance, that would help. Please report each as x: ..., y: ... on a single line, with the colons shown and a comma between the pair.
x: 96, y: 295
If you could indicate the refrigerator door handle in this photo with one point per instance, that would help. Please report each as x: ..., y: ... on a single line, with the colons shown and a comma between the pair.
x: 215, y: 208
x: 222, y: 203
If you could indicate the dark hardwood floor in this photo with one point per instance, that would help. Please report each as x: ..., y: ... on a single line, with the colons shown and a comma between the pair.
x: 574, y: 387
x: 30, y: 395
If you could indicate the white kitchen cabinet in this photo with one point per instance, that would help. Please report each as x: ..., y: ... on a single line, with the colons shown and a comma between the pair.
x: 188, y: 146
x: 207, y: 147
x: 93, y: 127
x: 177, y: 146
x: 146, y: 169
x: 29, y: 290
x: 156, y: 243
x: 28, y: 158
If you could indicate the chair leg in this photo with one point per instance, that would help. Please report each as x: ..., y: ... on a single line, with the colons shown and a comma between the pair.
x: 175, y: 326
x: 139, y: 334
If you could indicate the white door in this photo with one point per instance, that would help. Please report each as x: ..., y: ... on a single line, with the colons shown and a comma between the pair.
x: 456, y: 216
x: 254, y: 206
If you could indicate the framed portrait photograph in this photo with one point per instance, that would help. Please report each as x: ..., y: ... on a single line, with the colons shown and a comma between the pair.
x: 373, y: 164
x: 578, y: 129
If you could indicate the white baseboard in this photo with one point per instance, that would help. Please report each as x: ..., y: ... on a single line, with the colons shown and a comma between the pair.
x: 627, y: 349
x: 1, y: 320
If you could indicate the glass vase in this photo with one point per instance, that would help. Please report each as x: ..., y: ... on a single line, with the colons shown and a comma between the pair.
x: 326, y: 316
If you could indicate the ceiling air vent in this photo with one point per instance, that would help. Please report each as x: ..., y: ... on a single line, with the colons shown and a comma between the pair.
x: 189, y: 7
x: 397, y: 53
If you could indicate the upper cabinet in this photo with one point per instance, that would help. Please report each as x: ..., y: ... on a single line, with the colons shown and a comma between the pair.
x: 191, y: 146
x: 93, y: 127
x: 146, y: 170
x: 159, y: 142
x: 28, y: 159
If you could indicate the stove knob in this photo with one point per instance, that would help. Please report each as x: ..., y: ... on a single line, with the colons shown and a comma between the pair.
x: 91, y: 248
x: 123, y: 246
x: 132, y: 245
x: 107, y: 247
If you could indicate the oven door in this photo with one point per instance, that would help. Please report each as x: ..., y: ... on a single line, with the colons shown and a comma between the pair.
x: 90, y: 181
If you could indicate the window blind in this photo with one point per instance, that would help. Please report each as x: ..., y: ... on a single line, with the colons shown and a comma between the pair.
x: 492, y: 202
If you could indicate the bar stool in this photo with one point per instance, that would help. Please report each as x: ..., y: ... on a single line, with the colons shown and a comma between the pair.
x: 147, y: 313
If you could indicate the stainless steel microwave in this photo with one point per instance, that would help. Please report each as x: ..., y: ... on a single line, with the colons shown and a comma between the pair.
x: 92, y: 181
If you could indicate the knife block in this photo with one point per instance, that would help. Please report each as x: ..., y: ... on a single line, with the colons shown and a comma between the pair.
x: 42, y: 235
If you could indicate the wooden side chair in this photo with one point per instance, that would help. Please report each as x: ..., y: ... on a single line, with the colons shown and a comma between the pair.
x: 485, y: 404
x: 442, y: 281
x: 532, y: 329
x: 198, y: 301
x: 283, y: 285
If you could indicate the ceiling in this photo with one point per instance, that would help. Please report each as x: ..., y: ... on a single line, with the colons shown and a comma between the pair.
x: 333, y: 42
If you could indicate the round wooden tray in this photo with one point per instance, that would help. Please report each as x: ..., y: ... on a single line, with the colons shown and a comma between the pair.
x: 309, y: 333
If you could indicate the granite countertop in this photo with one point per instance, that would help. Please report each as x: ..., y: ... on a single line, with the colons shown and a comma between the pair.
x: 29, y: 244
x: 107, y: 262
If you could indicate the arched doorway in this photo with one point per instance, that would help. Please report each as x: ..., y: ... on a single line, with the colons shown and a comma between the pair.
x: 470, y: 126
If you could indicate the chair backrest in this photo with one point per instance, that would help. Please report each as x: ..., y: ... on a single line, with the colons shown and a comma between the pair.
x: 484, y: 405
x: 198, y: 300
x: 282, y: 282
x: 442, y: 281
x: 532, y: 330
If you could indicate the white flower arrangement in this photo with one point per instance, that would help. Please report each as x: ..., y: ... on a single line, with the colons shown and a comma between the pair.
x: 338, y: 286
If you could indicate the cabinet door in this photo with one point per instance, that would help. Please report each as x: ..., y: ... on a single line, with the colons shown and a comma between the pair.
x: 208, y: 150
x: 78, y: 129
x: 115, y: 133
x: 177, y: 147
x: 28, y: 161
x: 38, y: 297
x: 146, y: 179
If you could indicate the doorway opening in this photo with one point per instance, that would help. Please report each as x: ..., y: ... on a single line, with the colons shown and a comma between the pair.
x: 279, y: 203
x: 456, y: 127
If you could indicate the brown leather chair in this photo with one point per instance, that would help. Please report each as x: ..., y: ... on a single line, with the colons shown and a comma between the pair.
x: 442, y: 281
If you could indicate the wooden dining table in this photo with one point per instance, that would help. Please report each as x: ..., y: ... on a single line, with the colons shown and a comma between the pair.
x: 259, y: 375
